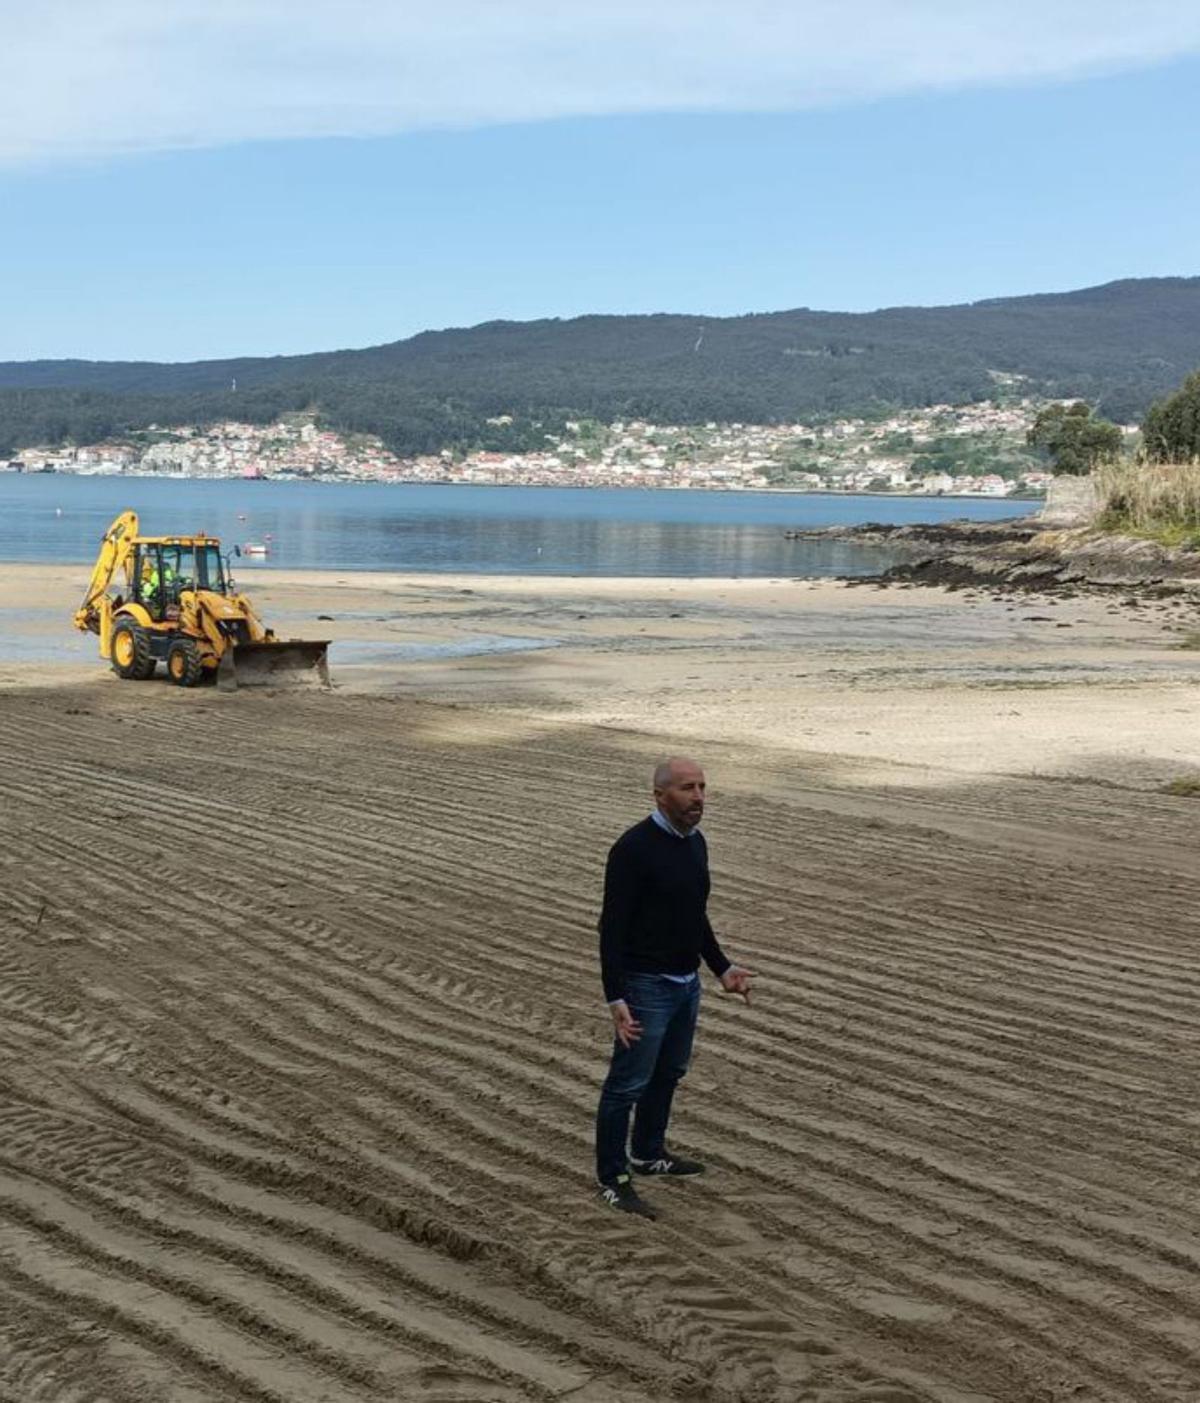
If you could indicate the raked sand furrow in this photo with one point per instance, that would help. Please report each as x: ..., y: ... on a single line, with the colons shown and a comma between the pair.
x: 1013, y: 969
x: 1017, y: 945
x: 463, y: 1289
x: 452, y: 1154
x: 876, y: 1068
x: 441, y: 1337
x: 1109, y: 1323
x: 922, y: 1051
x: 945, y: 885
x: 458, y: 1156
x: 246, y: 1295
x: 389, y: 1193
x: 395, y: 1042
x: 233, y: 1217
x: 39, y: 1349
x: 352, y: 1329
x: 421, y: 1017
x: 979, y: 994
x: 184, y: 1146
x: 849, y: 1014
x: 183, y: 1341
x: 1017, y: 938
x: 370, y: 855
x: 482, y: 876
x: 442, y: 1031
x: 421, y: 997
x: 340, y: 1034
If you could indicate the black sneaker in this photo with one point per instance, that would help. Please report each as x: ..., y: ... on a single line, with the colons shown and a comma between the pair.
x: 619, y: 1193
x: 668, y: 1164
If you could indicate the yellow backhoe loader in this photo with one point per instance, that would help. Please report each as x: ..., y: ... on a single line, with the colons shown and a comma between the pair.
x: 179, y: 605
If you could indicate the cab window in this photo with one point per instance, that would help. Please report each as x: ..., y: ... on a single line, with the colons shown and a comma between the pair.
x: 148, y: 580
x: 179, y: 569
x: 208, y: 558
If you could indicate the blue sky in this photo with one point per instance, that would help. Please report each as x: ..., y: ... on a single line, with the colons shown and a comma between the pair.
x: 138, y: 229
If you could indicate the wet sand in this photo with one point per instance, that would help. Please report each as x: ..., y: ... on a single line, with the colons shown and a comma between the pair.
x: 300, y: 1026
x: 1099, y: 687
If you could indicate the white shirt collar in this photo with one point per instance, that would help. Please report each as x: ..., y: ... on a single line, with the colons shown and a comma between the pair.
x: 668, y: 827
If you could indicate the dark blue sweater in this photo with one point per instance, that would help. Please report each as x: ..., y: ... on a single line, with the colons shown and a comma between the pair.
x: 654, y: 919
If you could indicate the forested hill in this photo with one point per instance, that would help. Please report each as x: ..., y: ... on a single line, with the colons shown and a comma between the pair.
x: 1119, y: 346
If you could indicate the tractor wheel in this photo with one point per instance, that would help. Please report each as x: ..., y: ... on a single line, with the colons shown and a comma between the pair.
x: 184, y: 667
x: 131, y: 655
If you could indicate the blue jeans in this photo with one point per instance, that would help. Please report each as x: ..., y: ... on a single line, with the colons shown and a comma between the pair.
x: 645, y: 1074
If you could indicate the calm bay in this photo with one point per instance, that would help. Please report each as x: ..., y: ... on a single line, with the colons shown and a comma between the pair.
x: 475, y: 529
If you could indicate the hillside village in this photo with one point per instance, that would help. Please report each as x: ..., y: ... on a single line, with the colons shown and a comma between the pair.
x: 976, y: 449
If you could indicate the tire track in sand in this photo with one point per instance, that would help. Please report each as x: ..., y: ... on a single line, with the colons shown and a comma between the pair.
x: 943, y: 1158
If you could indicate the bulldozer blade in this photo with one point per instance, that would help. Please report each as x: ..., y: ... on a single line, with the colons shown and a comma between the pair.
x: 278, y: 663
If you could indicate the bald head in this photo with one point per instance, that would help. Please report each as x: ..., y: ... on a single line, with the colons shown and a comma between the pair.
x: 679, y: 791
x: 664, y: 771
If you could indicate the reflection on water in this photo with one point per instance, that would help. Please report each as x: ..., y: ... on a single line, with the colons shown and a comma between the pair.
x: 489, y: 530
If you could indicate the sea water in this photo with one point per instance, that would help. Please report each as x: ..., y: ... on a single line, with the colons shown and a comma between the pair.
x: 469, y: 529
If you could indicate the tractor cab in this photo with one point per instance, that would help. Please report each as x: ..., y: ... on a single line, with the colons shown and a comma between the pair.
x: 162, y: 568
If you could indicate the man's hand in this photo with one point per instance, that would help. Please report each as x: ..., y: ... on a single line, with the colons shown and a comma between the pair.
x: 736, y: 980
x: 625, y: 1025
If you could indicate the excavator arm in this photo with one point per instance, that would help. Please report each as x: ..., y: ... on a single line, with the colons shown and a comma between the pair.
x: 115, y: 550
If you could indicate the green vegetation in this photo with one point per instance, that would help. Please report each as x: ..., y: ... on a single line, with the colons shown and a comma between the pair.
x: 973, y: 454
x: 1074, y: 440
x: 505, y: 385
x: 1171, y: 432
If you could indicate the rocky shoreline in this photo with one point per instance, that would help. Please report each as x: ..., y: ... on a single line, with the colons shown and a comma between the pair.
x: 1022, y: 554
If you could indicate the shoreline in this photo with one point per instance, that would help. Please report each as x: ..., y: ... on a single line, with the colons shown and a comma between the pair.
x: 545, y: 486
x: 374, y: 576
x: 974, y: 680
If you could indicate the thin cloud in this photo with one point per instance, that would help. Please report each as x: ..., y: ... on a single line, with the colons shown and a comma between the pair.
x: 98, y: 78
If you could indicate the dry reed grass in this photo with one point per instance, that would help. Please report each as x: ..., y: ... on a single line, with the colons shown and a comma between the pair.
x: 1160, y: 500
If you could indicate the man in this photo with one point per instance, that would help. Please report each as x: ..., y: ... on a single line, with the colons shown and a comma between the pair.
x: 654, y: 931
x: 151, y: 594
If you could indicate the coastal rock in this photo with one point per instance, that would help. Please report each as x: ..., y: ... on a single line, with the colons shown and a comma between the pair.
x: 1070, y: 501
x: 1027, y: 553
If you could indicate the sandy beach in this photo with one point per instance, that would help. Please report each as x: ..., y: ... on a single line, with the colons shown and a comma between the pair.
x: 302, y: 1028
x: 1097, y: 686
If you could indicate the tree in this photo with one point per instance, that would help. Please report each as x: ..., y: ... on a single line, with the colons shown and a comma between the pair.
x: 1073, y: 438
x: 1171, y: 433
